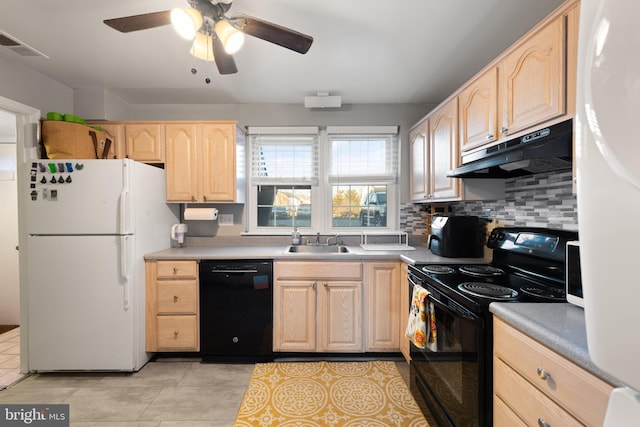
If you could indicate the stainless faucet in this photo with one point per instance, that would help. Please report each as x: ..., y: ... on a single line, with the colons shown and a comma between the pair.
x: 338, y: 240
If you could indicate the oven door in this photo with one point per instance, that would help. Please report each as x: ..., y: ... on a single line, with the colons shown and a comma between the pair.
x: 449, y: 383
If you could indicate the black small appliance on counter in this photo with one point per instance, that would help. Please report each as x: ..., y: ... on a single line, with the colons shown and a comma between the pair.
x: 457, y: 236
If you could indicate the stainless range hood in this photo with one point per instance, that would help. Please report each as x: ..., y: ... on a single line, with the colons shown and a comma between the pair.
x: 545, y: 150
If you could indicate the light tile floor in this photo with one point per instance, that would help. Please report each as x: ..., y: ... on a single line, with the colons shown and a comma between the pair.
x: 164, y: 393
x: 10, y: 357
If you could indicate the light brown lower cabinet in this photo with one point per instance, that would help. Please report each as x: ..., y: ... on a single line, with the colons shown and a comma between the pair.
x: 404, y: 311
x: 172, y: 320
x: 317, y: 307
x: 382, y: 287
x: 535, y: 386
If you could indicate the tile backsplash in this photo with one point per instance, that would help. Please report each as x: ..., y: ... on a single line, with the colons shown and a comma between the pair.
x: 540, y: 200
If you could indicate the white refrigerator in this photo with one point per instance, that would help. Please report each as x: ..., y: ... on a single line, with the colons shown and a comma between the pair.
x: 608, y: 183
x: 88, y: 225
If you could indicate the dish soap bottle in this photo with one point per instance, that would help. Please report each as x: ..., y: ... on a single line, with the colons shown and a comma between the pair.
x: 295, y: 236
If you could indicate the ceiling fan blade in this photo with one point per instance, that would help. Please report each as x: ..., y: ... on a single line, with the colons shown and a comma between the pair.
x: 140, y: 22
x: 277, y: 34
x: 225, y: 62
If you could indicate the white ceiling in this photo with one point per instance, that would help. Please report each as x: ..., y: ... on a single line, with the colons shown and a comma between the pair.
x: 367, y: 51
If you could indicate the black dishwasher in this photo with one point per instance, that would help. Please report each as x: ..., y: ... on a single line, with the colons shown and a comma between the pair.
x: 236, y: 311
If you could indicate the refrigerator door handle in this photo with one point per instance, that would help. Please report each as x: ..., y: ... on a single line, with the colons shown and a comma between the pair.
x: 124, y: 268
x: 125, y: 210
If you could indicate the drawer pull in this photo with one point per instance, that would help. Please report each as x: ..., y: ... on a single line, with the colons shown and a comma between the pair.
x: 541, y: 423
x: 175, y: 270
x: 175, y: 298
x: 542, y: 374
x: 175, y: 334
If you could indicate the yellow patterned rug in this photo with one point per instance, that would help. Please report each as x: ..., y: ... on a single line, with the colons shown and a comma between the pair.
x: 332, y: 394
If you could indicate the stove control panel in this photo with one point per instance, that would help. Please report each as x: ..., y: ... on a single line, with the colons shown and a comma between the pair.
x: 545, y: 243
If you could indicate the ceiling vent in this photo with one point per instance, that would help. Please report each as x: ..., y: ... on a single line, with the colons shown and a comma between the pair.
x: 18, y: 47
x: 322, y: 100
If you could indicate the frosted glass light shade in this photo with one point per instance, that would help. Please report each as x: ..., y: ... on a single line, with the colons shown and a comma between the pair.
x: 186, y: 22
x: 231, y: 39
x: 202, y: 47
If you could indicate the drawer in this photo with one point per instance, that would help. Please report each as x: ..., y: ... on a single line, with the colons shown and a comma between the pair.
x: 503, y: 415
x: 530, y: 404
x: 176, y: 269
x: 177, y: 296
x: 178, y: 333
x: 318, y: 270
x: 576, y: 390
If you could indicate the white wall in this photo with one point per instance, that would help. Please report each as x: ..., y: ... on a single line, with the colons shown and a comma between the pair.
x: 24, y: 85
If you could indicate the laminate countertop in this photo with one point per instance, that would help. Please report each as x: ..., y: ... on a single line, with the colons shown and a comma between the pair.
x: 559, y: 326
x: 420, y: 254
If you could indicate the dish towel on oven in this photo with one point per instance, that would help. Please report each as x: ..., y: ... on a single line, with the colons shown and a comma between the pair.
x: 421, y: 327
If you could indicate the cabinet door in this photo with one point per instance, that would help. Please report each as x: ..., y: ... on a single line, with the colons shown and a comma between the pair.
x: 181, y: 163
x: 294, y: 316
x: 477, y: 106
x: 340, y: 316
x: 404, y: 310
x: 443, y: 151
x: 383, y: 306
x: 418, y: 137
x: 532, y: 79
x: 218, y: 162
x: 145, y: 142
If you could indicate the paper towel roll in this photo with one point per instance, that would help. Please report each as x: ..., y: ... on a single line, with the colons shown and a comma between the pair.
x: 191, y: 214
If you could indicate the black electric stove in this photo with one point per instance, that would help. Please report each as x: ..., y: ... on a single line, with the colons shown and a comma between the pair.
x: 452, y: 383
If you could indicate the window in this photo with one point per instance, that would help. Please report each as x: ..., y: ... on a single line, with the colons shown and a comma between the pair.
x: 284, y: 167
x: 337, y: 180
x: 362, y: 173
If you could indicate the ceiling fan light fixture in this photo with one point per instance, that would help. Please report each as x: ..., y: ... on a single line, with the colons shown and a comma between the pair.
x: 202, y: 47
x: 186, y: 22
x: 231, y: 38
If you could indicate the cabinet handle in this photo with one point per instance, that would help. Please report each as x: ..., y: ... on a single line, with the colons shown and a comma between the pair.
x: 504, y: 130
x: 313, y: 286
x: 175, y: 334
x: 326, y: 285
x: 175, y: 270
x: 204, y: 198
x: 490, y: 136
x: 541, y: 423
x: 542, y: 374
x: 175, y: 298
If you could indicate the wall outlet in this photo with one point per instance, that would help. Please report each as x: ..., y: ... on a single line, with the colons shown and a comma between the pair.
x: 225, y: 219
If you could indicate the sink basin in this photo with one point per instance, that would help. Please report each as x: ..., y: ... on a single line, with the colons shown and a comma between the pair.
x: 317, y: 249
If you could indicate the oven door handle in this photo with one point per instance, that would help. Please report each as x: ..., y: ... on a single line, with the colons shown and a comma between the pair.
x: 458, y: 312
x: 461, y: 312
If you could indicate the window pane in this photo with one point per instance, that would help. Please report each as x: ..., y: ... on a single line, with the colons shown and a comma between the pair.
x: 284, y: 206
x: 359, y: 157
x: 359, y: 206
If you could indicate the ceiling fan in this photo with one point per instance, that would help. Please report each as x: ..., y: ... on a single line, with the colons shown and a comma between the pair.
x: 215, y: 36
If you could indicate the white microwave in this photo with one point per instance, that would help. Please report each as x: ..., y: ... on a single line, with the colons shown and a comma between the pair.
x: 573, y: 277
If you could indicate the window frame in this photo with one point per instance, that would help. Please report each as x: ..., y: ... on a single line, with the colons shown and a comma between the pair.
x: 321, y: 194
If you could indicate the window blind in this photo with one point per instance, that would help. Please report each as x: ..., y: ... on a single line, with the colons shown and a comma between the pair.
x: 284, y: 156
x: 363, y: 154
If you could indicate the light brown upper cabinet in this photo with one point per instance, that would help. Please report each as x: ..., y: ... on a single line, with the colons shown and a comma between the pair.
x: 478, y: 107
x: 532, y: 79
x: 418, y: 140
x: 201, y: 162
x: 145, y: 142
x: 443, y: 151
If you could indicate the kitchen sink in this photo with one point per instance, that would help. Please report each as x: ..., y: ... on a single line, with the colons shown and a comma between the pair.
x: 317, y: 249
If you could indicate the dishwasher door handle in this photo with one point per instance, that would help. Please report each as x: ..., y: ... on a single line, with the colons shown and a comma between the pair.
x: 234, y: 271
